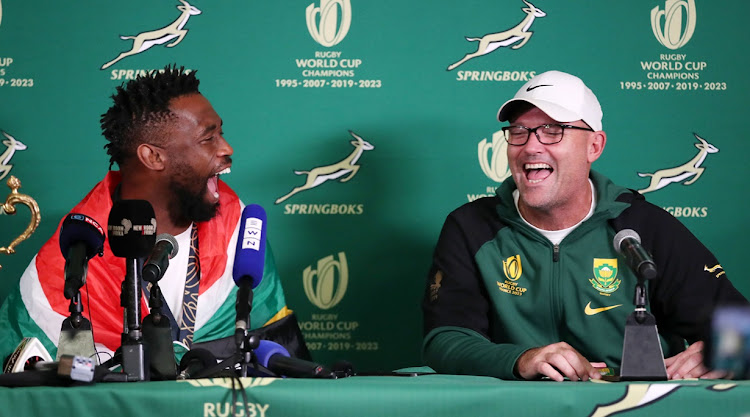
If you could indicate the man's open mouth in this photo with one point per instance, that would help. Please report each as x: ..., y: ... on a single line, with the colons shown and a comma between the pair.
x: 213, y: 182
x: 537, y: 172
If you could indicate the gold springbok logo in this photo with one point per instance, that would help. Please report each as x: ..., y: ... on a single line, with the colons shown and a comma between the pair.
x: 1, y: 12
x: 12, y: 145
x: 322, y: 286
x: 494, y: 166
x: 493, y: 41
x: 672, y: 34
x: 146, y: 40
x: 319, y: 175
x: 691, y: 169
x: 328, y: 32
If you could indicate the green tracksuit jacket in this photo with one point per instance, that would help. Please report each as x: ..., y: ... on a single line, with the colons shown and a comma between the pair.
x: 497, y: 287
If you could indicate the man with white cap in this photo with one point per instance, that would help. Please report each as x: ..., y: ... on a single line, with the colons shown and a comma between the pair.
x: 526, y: 283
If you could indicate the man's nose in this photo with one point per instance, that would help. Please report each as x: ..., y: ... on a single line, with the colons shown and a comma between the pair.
x: 533, y: 145
x: 225, y: 149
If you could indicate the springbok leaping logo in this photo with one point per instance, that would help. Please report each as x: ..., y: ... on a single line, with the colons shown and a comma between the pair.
x: 12, y: 146
x: 641, y: 395
x: 319, y: 175
x: 691, y: 168
x: 146, y: 40
x: 492, y: 41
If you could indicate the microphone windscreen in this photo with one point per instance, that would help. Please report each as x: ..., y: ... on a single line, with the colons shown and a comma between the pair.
x: 266, y: 349
x: 622, y: 235
x: 249, y: 258
x: 169, y: 238
x: 81, y: 228
x: 196, y: 361
x: 131, y: 228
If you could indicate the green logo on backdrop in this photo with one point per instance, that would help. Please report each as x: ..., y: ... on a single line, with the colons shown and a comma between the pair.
x: 347, y: 166
x: 690, y: 170
x: 674, y: 33
x: 494, y: 166
x: 11, y: 145
x: 517, y: 36
x: 323, y: 286
x: 323, y: 22
x: 174, y: 32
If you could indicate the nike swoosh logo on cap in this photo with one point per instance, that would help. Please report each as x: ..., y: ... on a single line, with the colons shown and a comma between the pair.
x: 591, y: 311
x: 537, y: 86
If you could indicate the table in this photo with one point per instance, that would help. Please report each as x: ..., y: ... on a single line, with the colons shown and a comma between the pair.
x: 425, y: 395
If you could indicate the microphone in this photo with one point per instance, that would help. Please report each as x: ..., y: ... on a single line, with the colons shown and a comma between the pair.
x: 628, y: 243
x: 195, y: 362
x: 81, y: 238
x: 276, y: 359
x: 131, y: 230
x: 249, y: 260
x: 156, y: 265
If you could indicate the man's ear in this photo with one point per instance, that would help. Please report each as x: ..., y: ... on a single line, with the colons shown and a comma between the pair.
x: 151, y: 156
x: 596, y: 145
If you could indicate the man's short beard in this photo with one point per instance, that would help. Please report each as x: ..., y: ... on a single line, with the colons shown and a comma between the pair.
x: 188, y: 206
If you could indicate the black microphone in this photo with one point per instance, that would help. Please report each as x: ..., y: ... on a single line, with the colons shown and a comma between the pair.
x: 81, y: 237
x: 156, y: 265
x: 628, y: 243
x: 249, y: 260
x: 131, y: 228
x: 276, y: 359
x: 194, y: 362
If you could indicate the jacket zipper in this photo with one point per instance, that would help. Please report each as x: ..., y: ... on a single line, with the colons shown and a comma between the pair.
x: 555, y: 253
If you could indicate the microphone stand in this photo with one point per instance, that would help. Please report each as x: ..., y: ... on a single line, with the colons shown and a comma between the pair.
x: 246, y: 342
x: 76, y: 337
x: 157, y: 334
x: 642, y: 357
x: 134, y: 359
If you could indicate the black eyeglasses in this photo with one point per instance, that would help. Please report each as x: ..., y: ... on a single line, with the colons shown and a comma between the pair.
x: 547, y: 134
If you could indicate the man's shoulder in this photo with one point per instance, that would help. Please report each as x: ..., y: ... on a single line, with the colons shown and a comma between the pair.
x: 646, y: 218
x: 483, y: 206
x: 478, y: 219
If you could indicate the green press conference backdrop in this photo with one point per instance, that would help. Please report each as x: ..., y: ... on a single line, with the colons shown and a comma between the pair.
x: 359, y: 125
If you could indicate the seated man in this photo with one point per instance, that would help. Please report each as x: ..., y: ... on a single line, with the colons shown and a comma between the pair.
x: 511, y: 292
x: 168, y: 142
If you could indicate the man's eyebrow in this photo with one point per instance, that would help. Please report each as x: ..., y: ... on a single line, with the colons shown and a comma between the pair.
x: 210, y: 128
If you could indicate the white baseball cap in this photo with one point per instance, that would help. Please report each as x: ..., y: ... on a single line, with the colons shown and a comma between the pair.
x: 562, y: 96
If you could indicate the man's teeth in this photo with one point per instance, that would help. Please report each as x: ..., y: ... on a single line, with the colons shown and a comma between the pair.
x: 226, y: 170
x: 531, y: 171
x: 537, y: 166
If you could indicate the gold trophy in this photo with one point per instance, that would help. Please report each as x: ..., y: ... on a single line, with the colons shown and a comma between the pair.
x: 9, y: 208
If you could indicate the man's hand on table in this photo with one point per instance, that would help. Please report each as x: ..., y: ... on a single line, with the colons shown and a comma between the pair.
x: 556, y: 361
x: 689, y: 364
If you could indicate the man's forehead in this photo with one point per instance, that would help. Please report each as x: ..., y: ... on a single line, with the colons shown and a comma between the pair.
x: 194, y: 107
